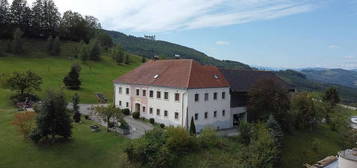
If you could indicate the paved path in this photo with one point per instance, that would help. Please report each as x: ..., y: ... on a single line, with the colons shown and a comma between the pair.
x: 137, y: 127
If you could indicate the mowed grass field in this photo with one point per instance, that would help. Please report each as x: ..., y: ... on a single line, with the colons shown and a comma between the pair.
x: 96, y: 77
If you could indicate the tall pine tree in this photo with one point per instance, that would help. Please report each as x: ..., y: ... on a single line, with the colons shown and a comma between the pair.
x: 192, y: 127
x: 4, y: 12
x: 37, y: 15
x: 94, y: 50
x: 77, y: 114
x: 51, y: 19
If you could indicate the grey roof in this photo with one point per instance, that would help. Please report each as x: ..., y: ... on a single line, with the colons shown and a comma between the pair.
x: 244, y: 80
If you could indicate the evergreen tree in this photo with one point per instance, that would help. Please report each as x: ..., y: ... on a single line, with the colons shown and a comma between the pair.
x: 72, y: 80
x: 118, y: 55
x: 143, y: 59
x: 275, y: 130
x: 51, y: 19
x: 331, y: 97
x: 37, y: 15
x: 94, y: 50
x: 4, y: 13
x: 192, y: 127
x: 20, y: 14
x: 56, y: 47
x: 77, y: 114
x: 53, y: 118
x: 17, y: 43
x: 127, y: 59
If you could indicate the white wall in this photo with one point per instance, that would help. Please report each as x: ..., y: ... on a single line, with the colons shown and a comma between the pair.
x: 210, y: 106
x: 170, y: 105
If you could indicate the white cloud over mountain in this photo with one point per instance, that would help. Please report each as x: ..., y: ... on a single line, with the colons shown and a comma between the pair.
x: 168, y: 15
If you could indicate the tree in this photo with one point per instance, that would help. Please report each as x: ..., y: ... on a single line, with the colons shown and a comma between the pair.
x: 50, y: 41
x: 37, y: 15
x: 53, y: 118
x: 83, y: 52
x: 245, y: 130
x: 56, y: 47
x: 94, y: 50
x: 127, y: 59
x: 20, y: 14
x: 17, y: 43
x: 109, y: 114
x: 331, y: 97
x: 268, y: 97
x: 192, y: 127
x: 24, y: 122
x: 118, y: 55
x: 4, y: 13
x: 105, y: 40
x: 77, y: 114
x: 143, y: 59
x: 51, y: 18
x: 277, y: 133
x: 261, y: 151
x: 24, y: 82
x: 72, y: 81
x: 304, y: 110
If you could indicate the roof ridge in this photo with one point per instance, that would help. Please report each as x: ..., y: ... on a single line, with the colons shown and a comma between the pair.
x: 189, y: 74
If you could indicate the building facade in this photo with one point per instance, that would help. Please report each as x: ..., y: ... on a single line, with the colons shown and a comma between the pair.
x: 174, y: 92
x: 175, y: 97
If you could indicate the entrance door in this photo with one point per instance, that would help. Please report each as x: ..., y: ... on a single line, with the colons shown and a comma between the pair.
x: 137, y: 107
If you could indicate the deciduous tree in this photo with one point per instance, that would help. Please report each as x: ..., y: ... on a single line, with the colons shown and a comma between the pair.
x: 24, y: 82
x: 109, y: 114
x: 24, y: 122
x: 331, y: 96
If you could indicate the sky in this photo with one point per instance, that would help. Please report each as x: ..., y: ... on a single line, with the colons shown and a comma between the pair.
x: 265, y: 33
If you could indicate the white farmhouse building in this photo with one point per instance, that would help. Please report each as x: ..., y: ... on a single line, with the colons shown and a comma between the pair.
x: 173, y: 92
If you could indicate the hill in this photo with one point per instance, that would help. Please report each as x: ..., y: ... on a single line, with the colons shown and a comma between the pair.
x: 96, y: 77
x: 303, y: 83
x: 334, y: 76
x: 150, y: 48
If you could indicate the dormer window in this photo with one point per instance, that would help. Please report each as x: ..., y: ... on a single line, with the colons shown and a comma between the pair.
x: 215, y: 76
x: 156, y: 76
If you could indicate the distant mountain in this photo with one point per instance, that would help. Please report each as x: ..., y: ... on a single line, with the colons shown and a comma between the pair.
x: 333, y: 76
x: 149, y: 48
x: 303, y: 83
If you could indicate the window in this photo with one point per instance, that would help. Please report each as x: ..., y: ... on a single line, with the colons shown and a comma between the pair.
x: 144, y: 109
x: 127, y: 104
x: 206, y: 115
x: 144, y: 92
x: 166, y: 95
x: 166, y: 113
x: 151, y: 93
x: 158, y: 112
x: 137, y: 92
x: 158, y: 94
x: 176, y: 115
x: 177, y: 96
x: 223, y: 112
x: 127, y: 91
x: 120, y: 90
x: 215, y: 114
x: 223, y: 95
x: 196, y: 116
x: 119, y: 103
x: 197, y: 97
x: 206, y: 96
x: 151, y: 110
x: 215, y: 96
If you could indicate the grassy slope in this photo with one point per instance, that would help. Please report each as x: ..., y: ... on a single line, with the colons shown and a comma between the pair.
x: 86, y: 150
x: 95, y: 76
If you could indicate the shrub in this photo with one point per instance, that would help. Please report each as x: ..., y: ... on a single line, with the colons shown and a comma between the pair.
x: 152, y: 121
x: 136, y: 115
x: 24, y: 122
x: 23, y: 97
x: 208, y: 138
x: 126, y: 111
x: 179, y: 140
x: 86, y: 117
x: 162, y: 125
x: 36, y: 135
x: 245, y: 130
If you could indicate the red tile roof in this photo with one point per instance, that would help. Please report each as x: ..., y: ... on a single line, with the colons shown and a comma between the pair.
x: 178, y: 73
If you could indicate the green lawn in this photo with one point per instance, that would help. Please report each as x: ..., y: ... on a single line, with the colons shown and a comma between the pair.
x: 95, y: 76
x: 86, y: 150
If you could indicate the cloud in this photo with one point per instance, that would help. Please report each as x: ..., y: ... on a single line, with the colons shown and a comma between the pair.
x: 222, y: 43
x: 349, y: 57
x: 333, y: 46
x: 168, y: 15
